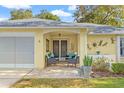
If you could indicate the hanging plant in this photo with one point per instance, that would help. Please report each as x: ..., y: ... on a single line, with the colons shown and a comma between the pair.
x: 100, y: 42
x: 97, y: 52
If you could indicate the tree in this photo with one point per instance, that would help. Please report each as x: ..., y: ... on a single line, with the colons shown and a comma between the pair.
x: 44, y: 14
x: 21, y: 14
x: 102, y: 14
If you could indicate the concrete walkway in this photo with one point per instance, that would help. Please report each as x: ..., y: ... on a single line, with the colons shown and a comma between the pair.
x: 54, y: 72
x: 10, y: 76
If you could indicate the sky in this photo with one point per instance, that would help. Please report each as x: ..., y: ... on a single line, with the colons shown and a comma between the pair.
x: 65, y: 12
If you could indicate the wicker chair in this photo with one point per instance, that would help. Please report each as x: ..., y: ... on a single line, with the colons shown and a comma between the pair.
x: 72, y: 59
x: 50, y: 59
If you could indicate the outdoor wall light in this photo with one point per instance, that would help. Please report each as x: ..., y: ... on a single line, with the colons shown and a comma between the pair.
x: 59, y: 34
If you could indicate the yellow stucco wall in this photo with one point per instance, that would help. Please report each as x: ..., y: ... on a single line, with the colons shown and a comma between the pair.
x: 108, y: 45
x: 40, y: 43
x: 39, y: 49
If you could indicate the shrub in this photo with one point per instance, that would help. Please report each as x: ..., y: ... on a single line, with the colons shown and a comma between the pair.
x: 118, y: 68
x: 87, y: 61
x: 101, y: 64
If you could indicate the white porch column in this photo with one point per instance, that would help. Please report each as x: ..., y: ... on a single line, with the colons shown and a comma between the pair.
x: 82, y: 44
x: 39, y: 50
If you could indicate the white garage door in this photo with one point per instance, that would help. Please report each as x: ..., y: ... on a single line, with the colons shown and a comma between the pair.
x: 16, y: 52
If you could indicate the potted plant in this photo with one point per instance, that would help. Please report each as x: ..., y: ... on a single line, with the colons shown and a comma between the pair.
x: 85, y: 70
x: 97, y: 52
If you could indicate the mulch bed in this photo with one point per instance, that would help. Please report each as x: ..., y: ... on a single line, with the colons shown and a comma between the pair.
x: 99, y: 74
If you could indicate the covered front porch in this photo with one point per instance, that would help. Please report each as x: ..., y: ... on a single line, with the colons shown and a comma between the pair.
x: 60, y: 42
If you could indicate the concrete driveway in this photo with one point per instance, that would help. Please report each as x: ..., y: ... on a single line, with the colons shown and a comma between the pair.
x: 10, y: 76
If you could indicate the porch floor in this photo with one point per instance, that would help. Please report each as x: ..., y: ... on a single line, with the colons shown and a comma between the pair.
x: 54, y: 72
x: 63, y: 64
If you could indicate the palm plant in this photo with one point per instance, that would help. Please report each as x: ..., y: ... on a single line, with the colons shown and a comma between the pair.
x: 88, y: 61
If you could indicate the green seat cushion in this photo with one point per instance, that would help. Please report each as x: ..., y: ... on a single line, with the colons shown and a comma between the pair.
x: 71, y: 55
x: 50, y: 55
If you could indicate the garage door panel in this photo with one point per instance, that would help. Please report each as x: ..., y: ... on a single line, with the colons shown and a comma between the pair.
x: 7, y: 58
x: 24, y: 58
x: 7, y: 52
x: 7, y: 44
x: 24, y: 51
x: 24, y: 44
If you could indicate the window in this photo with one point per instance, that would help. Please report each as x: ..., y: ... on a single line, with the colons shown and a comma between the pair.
x: 47, y: 45
x: 122, y: 46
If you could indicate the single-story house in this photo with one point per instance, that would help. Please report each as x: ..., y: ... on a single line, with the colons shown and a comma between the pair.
x: 24, y: 42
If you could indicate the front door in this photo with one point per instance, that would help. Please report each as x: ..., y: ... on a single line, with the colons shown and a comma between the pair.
x: 63, y: 48
x: 60, y: 48
x: 56, y: 48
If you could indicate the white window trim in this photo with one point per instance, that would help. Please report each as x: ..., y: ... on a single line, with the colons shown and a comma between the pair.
x: 118, y: 48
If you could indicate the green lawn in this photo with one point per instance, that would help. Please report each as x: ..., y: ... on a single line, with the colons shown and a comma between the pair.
x: 71, y: 83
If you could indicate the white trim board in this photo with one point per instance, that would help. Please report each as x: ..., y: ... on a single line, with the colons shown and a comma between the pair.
x: 7, y: 65
x: 16, y: 65
x: 113, y: 57
x: 17, y: 34
x: 50, y: 27
x: 76, y: 31
x: 24, y: 65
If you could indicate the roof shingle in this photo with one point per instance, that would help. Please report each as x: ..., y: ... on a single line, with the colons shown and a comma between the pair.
x: 43, y: 23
